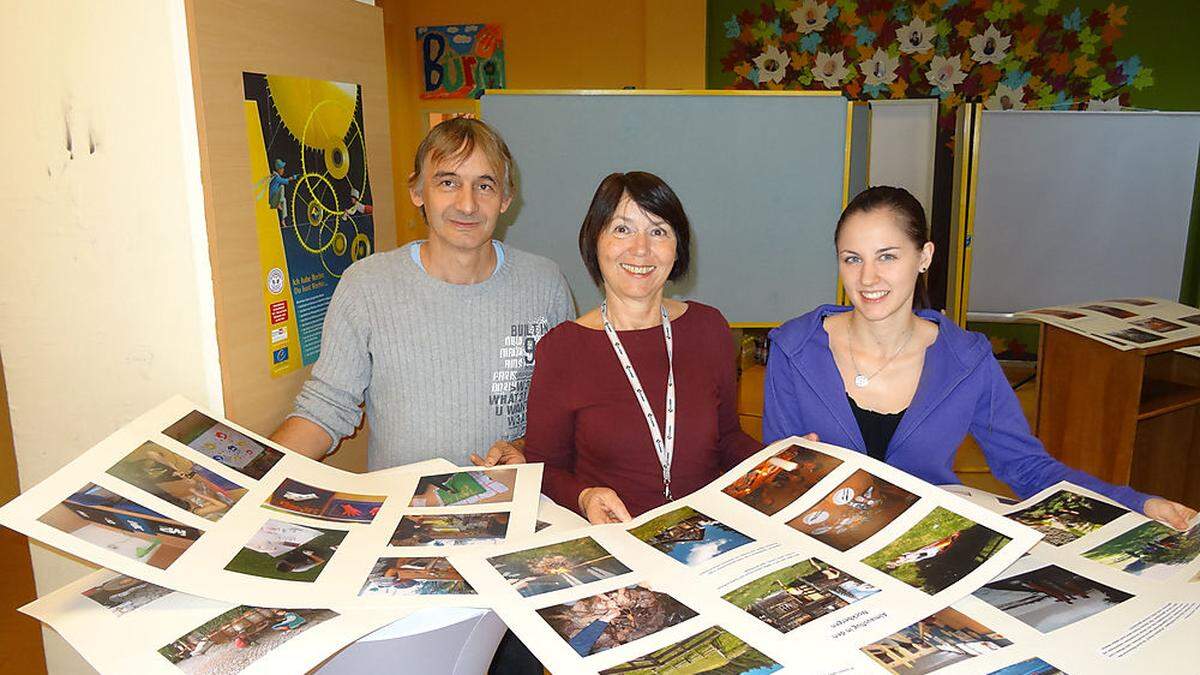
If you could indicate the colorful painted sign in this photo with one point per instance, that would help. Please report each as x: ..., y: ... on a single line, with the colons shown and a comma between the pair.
x: 461, y: 61
x: 312, y: 204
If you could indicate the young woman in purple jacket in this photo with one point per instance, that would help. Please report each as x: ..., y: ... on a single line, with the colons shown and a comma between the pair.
x: 902, y: 383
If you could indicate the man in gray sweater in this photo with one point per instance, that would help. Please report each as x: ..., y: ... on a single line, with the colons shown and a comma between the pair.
x: 436, y: 337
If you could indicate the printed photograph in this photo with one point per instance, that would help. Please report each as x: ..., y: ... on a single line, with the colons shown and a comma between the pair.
x: 178, y: 481
x: 122, y: 594
x: 714, y: 651
x: 1060, y: 313
x: 1193, y: 319
x: 938, y: 551
x: 492, y: 486
x: 1066, y: 516
x: 1157, y: 324
x: 224, y: 444
x: 230, y: 642
x: 940, y: 640
x: 1136, y: 302
x: 450, y: 529
x: 599, y: 622
x: 1050, y: 597
x: 1151, y: 550
x: 853, y: 511
x: 315, y: 502
x: 1115, y: 312
x: 791, y: 597
x: 414, y: 576
x: 287, y: 551
x: 689, y: 536
x: 1135, y: 336
x: 781, y: 479
x: 554, y: 567
x: 108, y: 520
x: 1034, y: 666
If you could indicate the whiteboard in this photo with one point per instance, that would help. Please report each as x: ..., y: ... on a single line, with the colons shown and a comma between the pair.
x: 903, y: 146
x: 760, y: 177
x: 1074, y: 206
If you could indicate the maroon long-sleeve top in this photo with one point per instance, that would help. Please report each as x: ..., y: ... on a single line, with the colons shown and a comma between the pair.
x: 586, y: 425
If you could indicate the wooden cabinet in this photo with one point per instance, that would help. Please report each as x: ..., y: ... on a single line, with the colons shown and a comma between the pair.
x: 1129, y: 417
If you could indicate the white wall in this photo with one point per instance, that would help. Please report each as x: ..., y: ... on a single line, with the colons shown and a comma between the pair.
x: 106, y: 303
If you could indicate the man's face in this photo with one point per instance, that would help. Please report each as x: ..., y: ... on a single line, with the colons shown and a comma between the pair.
x: 462, y: 201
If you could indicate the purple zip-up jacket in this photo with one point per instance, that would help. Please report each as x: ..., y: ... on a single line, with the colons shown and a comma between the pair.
x: 961, y: 390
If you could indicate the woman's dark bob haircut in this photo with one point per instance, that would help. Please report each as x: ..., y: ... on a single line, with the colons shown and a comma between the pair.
x: 654, y: 197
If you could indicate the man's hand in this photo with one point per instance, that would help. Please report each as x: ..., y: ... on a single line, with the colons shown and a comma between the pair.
x: 502, y: 452
x: 601, y: 505
x: 1166, y: 511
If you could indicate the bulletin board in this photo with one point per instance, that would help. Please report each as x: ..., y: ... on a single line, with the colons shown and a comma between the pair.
x: 334, y: 40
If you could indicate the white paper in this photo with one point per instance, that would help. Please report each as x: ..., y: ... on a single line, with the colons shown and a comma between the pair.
x: 1124, y: 323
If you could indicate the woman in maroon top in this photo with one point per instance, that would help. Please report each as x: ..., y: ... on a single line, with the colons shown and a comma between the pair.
x: 599, y: 415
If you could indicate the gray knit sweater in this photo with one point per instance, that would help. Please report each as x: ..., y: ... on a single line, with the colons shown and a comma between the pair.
x: 443, y: 368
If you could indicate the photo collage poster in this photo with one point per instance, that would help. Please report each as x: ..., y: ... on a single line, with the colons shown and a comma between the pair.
x: 1124, y: 323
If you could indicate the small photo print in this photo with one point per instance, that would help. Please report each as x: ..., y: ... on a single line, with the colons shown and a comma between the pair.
x: 287, y: 551
x: 941, y: 640
x: 491, y: 486
x: 593, y: 624
x: 938, y: 551
x: 1158, y: 324
x: 534, y: 571
x: 414, y: 576
x: 230, y: 642
x: 689, y: 536
x: 1136, y: 302
x: 224, y: 444
x: 178, y: 481
x: 1034, y: 666
x: 122, y: 594
x: 108, y: 520
x: 791, y: 597
x: 1151, y: 550
x: 1193, y: 319
x: 1066, y: 516
x: 714, y: 650
x: 322, y: 504
x: 1060, y: 313
x: 450, y: 529
x: 1115, y: 312
x: 1135, y: 336
x: 1050, y: 597
x: 861, y: 506
x: 781, y: 479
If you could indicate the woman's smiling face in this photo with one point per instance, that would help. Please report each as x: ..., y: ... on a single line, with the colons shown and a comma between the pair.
x: 879, y: 264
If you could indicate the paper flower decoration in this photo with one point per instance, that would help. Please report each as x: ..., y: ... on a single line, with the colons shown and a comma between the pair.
x: 945, y: 72
x: 1113, y: 103
x: 916, y: 37
x: 771, y: 64
x: 830, y: 69
x: 990, y: 47
x: 811, y: 16
x: 1006, y: 98
x: 880, y: 68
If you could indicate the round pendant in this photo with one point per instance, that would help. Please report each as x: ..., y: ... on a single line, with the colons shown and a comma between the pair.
x: 861, y: 380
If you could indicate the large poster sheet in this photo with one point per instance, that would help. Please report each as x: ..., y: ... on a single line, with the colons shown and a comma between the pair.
x: 186, y: 500
x: 1124, y: 323
x: 797, y: 557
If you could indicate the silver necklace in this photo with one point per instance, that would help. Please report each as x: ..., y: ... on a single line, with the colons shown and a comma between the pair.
x: 861, y: 380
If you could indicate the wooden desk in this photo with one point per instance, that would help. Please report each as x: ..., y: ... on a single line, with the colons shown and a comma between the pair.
x: 1129, y: 417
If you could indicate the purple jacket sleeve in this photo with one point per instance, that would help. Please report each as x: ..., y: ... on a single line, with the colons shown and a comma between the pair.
x: 1017, y: 457
x: 782, y: 415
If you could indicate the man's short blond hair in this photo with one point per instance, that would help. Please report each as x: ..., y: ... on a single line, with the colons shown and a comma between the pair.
x: 454, y: 140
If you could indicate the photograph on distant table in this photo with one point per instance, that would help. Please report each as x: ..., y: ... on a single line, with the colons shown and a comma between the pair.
x: 450, y: 529
x: 178, y: 481
x: 282, y: 550
x: 689, y: 536
x: 782, y: 478
x: 122, y: 594
x: 794, y: 595
x: 322, y: 504
x: 938, y: 551
x: 1050, y: 597
x: 1135, y: 336
x: 1151, y: 550
x: 1157, y: 324
x: 1065, y: 516
x: 492, y: 486
x: 1060, y: 313
x: 576, y: 562
x: 231, y: 641
x: 414, y: 576
x: 1115, y: 312
x: 224, y: 444
x: 940, y: 640
x: 598, y: 622
x: 1034, y: 666
x: 860, y: 506
x: 103, y: 518
x: 715, y: 651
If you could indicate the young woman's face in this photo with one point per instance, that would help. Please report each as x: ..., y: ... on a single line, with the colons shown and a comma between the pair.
x: 879, y: 264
